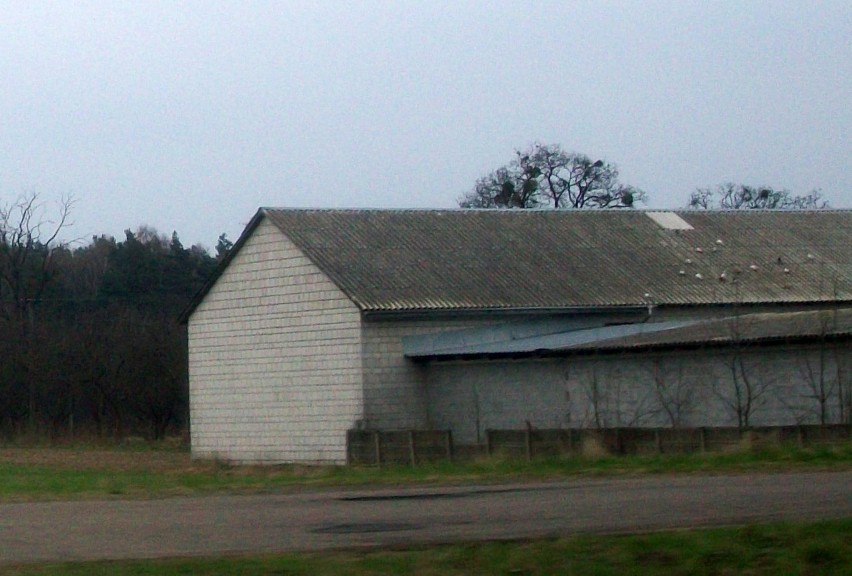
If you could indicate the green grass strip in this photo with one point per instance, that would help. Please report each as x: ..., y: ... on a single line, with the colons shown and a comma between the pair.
x: 770, y: 549
x: 24, y: 481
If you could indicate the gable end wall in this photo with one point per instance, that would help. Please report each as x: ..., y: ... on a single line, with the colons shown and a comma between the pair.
x: 274, y: 359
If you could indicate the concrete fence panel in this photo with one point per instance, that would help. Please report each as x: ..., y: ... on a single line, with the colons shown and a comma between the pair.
x: 413, y: 447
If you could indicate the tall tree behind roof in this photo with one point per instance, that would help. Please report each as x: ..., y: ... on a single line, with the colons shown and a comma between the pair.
x: 545, y: 176
x: 730, y: 196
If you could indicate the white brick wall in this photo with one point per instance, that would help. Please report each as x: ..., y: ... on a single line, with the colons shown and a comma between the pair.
x: 274, y: 359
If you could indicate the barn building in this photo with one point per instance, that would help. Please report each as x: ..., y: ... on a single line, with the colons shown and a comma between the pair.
x: 322, y: 321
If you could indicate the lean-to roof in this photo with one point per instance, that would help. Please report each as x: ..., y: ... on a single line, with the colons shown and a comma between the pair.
x: 548, y: 338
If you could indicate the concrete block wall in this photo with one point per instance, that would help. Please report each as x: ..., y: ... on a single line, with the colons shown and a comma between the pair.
x: 274, y: 360
x: 395, y: 395
x: 634, y: 390
x: 471, y: 397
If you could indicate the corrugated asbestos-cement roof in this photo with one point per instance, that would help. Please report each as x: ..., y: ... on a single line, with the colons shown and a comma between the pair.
x: 391, y: 260
x: 544, y: 338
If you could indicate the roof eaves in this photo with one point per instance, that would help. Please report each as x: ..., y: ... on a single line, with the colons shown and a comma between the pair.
x: 412, y: 313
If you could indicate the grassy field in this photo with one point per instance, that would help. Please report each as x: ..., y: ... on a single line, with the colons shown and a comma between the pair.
x: 811, y: 549
x: 141, y: 471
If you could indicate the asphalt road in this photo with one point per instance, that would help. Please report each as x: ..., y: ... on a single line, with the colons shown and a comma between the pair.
x: 51, y: 531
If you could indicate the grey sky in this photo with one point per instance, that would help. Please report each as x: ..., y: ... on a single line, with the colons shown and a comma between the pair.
x: 189, y: 115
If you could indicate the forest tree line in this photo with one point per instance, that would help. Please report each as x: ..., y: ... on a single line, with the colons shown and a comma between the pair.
x: 91, y: 340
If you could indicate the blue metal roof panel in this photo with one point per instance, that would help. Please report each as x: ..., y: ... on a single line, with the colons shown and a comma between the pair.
x: 528, y: 337
x: 815, y: 324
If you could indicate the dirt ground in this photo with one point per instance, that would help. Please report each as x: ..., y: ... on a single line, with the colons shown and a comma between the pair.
x: 102, y: 459
x: 160, y: 460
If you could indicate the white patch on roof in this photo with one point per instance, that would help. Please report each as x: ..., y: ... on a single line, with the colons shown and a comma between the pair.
x: 669, y: 220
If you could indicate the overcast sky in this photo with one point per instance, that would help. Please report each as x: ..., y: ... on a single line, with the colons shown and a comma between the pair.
x: 189, y: 115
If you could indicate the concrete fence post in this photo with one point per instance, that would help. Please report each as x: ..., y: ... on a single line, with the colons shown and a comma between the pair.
x: 349, y: 435
x: 369, y: 447
x: 377, y: 445
x: 412, y: 448
x: 565, y: 441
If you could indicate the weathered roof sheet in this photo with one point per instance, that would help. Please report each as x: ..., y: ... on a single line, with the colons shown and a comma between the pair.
x: 388, y: 260
x: 544, y: 338
x: 526, y: 337
x: 807, y: 325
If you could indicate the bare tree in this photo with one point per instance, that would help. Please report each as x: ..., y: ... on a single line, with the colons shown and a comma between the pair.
x: 746, y: 392
x: 596, y: 400
x: 824, y: 372
x: 843, y: 365
x: 747, y: 389
x: 28, y: 242
x: 506, y: 187
x: 730, y: 196
x: 28, y: 239
x: 818, y: 378
x: 673, y: 390
x: 545, y: 176
x: 611, y: 401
